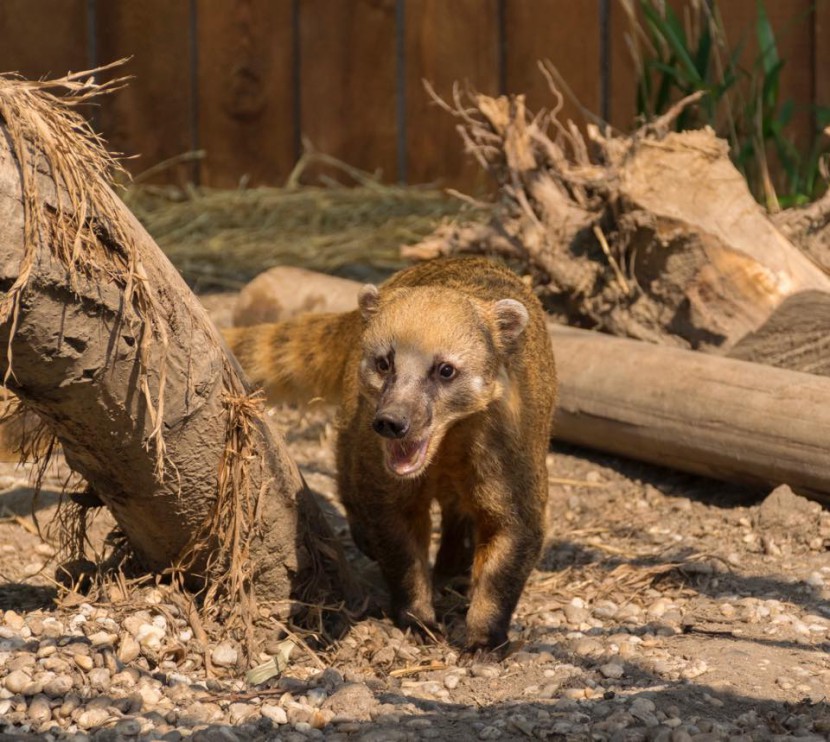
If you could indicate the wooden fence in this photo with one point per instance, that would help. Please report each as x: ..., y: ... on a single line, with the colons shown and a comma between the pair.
x: 247, y: 80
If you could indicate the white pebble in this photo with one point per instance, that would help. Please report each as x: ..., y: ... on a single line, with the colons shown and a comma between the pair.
x: 92, y: 717
x: 451, y: 681
x: 40, y: 709
x: 16, y: 681
x: 128, y: 650
x: 149, y: 636
x: 274, y: 713
x: 224, y: 654
x: 482, y: 670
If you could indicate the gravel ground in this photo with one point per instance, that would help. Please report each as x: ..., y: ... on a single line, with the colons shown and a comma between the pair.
x: 664, y: 607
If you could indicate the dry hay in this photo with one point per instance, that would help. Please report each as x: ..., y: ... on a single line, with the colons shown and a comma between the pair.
x: 223, y: 238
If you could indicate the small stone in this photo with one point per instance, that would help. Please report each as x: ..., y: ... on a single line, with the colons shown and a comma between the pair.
x: 694, y: 670
x: 128, y: 650
x: 40, y: 710
x: 58, y: 686
x: 316, y: 696
x: 16, y: 681
x: 13, y: 620
x: 149, y: 636
x: 658, y: 608
x: 102, y: 638
x: 100, y: 678
x: 484, y: 670
x: 240, y: 712
x: 70, y: 703
x: 612, y: 670
x: 352, y: 701
x: 150, y: 696
x: 605, y: 609
x: 127, y: 728
x: 84, y: 661
x: 451, y: 681
x: 576, y: 614
x: 588, y: 647
x: 224, y: 655
x: 92, y: 717
x: 274, y: 713
x: 489, y: 733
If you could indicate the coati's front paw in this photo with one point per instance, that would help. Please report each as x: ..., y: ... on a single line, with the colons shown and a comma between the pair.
x: 481, y: 643
x: 483, y: 656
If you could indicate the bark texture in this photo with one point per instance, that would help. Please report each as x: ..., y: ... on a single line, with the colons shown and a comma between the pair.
x: 110, y: 348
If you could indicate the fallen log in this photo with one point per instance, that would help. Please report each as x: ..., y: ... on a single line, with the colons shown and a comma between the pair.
x: 725, y: 418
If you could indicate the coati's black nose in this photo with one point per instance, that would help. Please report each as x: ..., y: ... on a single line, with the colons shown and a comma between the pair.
x: 390, y: 426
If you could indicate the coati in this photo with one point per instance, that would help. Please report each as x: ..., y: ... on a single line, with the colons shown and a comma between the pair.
x: 446, y: 384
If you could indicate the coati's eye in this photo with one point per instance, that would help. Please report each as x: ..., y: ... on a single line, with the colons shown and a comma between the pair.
x: 382, y: 364
x: 446, y: 371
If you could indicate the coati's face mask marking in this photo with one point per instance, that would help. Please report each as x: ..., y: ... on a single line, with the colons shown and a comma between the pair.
x: 431, y: 357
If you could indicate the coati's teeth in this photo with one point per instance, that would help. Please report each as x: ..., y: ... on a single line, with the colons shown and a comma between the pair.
x: 405, y: 458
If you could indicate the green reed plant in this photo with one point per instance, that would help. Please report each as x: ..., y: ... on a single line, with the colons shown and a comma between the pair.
x: 677, y: 56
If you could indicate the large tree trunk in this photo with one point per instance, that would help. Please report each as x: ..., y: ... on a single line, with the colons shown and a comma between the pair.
x: 103, y: 339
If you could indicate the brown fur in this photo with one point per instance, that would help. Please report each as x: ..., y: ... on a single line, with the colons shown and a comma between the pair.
x: 475, y: 442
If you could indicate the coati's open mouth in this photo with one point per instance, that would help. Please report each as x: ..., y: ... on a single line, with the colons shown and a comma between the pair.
x: 406, y: 458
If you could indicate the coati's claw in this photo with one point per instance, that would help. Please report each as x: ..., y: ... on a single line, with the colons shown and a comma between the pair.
x: 478, y: 655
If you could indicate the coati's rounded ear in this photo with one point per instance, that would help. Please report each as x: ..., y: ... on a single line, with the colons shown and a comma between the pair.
x: 511, y: 319
x: 367, y: 300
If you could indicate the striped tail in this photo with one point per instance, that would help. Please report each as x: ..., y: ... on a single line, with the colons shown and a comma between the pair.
x: 298, y: 360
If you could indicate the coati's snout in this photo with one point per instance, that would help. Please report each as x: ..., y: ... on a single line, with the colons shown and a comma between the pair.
x: 390, y: 425
x: 403, y: 418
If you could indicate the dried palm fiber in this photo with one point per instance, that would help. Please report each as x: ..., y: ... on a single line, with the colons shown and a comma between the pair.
x: 110, y: 333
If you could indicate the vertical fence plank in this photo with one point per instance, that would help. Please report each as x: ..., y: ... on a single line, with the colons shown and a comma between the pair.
x: 568, y: 34
x: 821, y: 47
x: 348, y: 81
x: 246, y: 96
x: 446, y: 42
x: 152, y: 116
x: 622, y: 83
x: 43, y: 38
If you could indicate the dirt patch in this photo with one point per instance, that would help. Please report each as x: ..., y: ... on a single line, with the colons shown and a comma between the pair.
x: 664, y: 607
